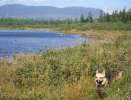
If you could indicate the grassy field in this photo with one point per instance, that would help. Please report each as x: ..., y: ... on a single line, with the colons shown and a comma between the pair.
x: 69, y: 74
x: 67, y: 27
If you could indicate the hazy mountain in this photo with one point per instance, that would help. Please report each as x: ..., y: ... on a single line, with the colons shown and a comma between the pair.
x: 46, y: 12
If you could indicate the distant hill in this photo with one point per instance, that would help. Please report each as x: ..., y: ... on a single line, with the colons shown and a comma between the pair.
x: 46, y: 12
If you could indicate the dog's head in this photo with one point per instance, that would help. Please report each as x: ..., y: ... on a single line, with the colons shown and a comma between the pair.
x: 101, y: 79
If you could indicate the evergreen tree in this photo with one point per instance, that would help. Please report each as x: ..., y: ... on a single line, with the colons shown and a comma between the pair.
x: 82, y: 19
x: 87, y: 19
x: 90, y: 19
x: 107, y: 17
x: 129, y: 14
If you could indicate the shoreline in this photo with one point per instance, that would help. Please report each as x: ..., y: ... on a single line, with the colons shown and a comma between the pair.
x: 80, y: 33
x: 8, y: 57
x: 93, y: 34
x: 86, y: 33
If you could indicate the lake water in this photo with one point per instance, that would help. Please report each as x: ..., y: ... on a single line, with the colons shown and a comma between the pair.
x: 26, y: 41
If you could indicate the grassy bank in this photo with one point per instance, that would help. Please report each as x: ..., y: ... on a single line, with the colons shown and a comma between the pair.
x: 66, y: 27
x: 68, y: 74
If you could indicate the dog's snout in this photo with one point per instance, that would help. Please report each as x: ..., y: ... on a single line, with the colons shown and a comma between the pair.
x: 99, y: 81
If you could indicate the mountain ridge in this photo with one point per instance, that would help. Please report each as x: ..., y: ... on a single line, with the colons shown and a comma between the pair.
x: 46, y: 12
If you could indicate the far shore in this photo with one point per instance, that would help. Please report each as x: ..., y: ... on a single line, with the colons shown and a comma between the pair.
x: 96, y: 34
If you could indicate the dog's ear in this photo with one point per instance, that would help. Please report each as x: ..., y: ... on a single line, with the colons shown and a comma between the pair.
x: 104, y: 72
x: 97, y: 71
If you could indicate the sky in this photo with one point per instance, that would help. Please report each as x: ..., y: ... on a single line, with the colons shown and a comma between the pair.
x: 106, y: 5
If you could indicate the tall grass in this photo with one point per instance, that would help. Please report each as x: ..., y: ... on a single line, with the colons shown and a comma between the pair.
x: 67, y: 74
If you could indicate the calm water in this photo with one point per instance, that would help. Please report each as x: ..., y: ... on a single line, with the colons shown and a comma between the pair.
x: 25, y: 41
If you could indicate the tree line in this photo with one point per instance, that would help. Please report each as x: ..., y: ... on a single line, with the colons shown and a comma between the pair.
x: 123, y: 16
x: 116, y: 16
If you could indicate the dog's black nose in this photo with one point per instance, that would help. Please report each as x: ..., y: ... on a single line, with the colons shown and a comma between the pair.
x: 99, y: 81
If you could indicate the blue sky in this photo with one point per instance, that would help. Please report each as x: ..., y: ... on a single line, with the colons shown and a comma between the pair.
x: 106, y: 5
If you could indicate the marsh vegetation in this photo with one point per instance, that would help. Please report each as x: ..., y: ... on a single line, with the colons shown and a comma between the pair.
x: 69, y: 74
